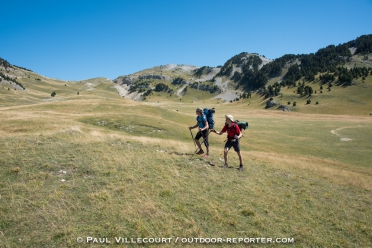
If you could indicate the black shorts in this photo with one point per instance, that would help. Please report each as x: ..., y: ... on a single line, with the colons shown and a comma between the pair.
x: 235, y: 144
x: 203, y: 134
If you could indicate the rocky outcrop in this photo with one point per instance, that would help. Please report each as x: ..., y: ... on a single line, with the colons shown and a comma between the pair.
x: 123, y: 80
x: 284, y: 108
x: 271, y: 103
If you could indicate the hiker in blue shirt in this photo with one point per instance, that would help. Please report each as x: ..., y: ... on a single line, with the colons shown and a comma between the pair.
x: 202, y: 123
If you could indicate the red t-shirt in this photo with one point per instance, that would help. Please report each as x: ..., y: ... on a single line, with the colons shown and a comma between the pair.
x: 231, y: 131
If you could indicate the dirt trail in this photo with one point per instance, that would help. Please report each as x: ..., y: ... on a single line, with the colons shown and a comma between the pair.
x: 338, y: 129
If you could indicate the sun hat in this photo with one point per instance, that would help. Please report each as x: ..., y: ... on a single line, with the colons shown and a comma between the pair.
x: 230, y: 117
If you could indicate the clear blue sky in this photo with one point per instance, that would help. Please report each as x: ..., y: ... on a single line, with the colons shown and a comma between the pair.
x: 76, y: 40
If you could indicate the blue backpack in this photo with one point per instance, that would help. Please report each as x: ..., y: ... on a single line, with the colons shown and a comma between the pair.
x: 209, y: 115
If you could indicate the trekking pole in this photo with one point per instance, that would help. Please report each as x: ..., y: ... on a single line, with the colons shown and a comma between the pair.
x: 194, y: 144
x: 195, y: 151
x: 193, y: 154
x: 193, y: 138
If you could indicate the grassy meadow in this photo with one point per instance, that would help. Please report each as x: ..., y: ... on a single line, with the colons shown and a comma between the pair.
x: 98, y: 165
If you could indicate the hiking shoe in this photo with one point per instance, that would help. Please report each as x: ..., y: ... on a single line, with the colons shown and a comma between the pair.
x: 240, y: 168
x: 200, y: 152
x: 226, y: 166
x: 206, y: 155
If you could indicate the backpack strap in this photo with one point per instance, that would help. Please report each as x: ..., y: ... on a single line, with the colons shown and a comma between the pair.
x: 230, y: 128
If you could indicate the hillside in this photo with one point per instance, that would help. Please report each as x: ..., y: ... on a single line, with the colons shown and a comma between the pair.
x: 334, y: 80
x: 208, y: 79
x: 337, y: 79
x: 38, y: 88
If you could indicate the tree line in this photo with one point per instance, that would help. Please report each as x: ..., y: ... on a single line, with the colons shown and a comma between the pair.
x: 330, y: 59
x: 205, y: 87
x: 5, y: 63
x: 202, y: 71
x: 7, y: 78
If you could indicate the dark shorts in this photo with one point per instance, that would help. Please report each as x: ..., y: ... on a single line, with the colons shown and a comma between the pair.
x: 203, y: 134
x: 235, y: 144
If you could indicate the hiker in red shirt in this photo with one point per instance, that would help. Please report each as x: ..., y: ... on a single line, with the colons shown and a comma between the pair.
x: 233, y: 136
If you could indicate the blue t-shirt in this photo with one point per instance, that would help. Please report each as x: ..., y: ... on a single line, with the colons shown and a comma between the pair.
x: 201, y: 120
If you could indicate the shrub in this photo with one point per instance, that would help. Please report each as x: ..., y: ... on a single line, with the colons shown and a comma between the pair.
x: 294, y: 104
x: 147, y: 93
x: 247, y: 212
x: 161, y: 87
x: 15, y: 170
x: 178, y: 81
x: 53, y: 94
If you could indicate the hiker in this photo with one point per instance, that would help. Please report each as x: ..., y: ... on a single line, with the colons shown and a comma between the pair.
x: 203, y: 131
x: 233, y: 136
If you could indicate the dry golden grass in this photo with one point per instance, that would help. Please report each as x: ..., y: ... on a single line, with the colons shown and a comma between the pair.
x: 102, y: 166
x: 325, y: 168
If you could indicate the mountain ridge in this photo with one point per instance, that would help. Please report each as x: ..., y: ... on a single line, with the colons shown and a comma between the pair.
x: 287, y: 79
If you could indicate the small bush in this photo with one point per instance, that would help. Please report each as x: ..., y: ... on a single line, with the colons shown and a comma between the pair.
x: 15, y: 170
x: 248, y: 212
x: 294, y: 104
x: 53, y: 94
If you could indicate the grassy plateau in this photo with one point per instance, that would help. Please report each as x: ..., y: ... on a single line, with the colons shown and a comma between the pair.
x: 106, y: 169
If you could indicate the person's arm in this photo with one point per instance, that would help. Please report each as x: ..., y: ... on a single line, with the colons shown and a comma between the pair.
x: 196, y: 125
x: 221, y: 132
x: 206, y: 126
x: 239, y: 135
